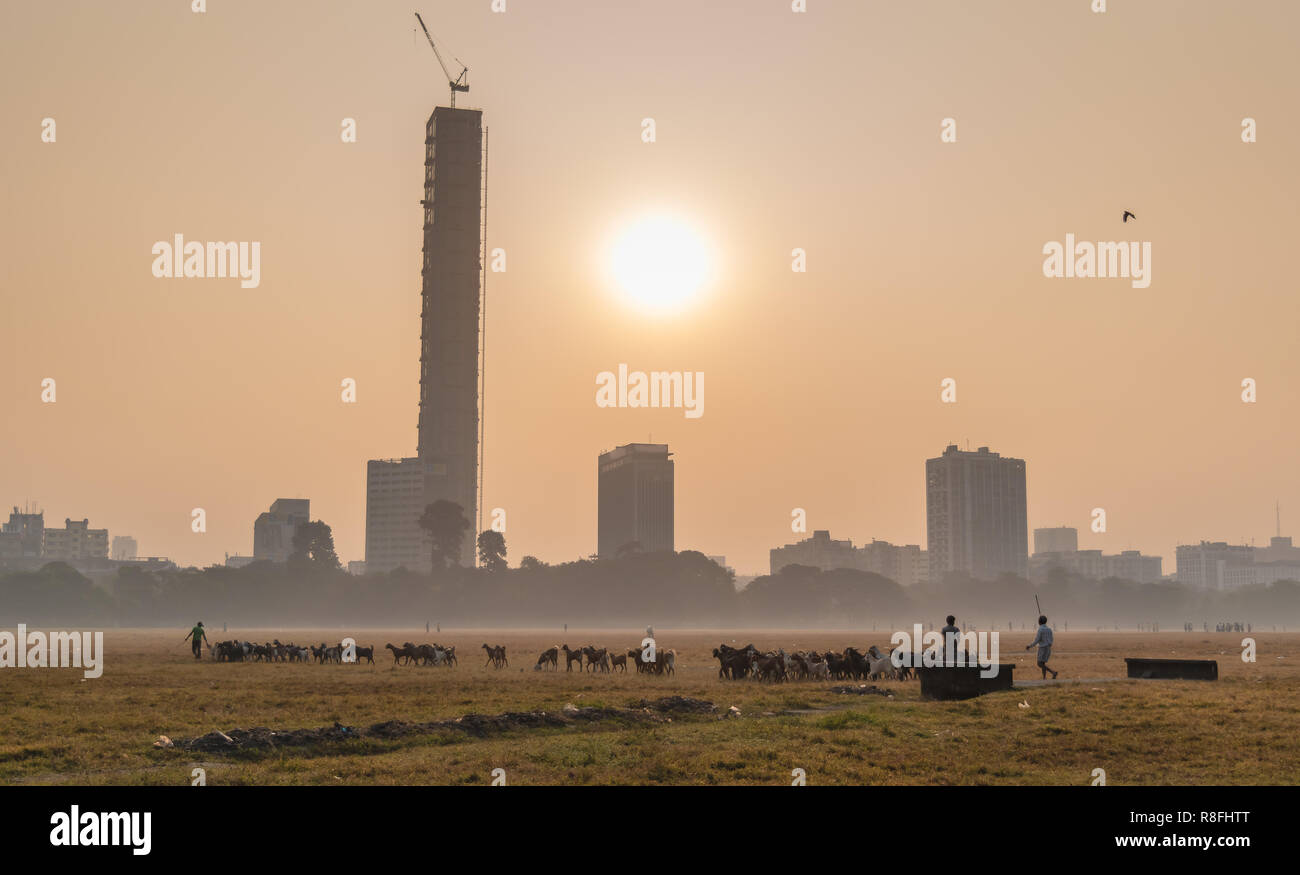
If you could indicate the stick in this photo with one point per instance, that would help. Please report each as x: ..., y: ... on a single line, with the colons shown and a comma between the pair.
x: 1040, y: 607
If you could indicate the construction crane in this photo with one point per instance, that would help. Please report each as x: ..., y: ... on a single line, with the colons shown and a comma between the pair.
x: 457, y: 84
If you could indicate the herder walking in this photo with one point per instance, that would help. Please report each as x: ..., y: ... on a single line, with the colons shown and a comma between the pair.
x: 1043, y: 641
x: 199, y: 637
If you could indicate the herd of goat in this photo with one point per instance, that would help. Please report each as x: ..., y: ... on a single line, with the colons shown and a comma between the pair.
x: 604, y: 660
x: 274, y: 651
x: 734, y: 663
x: 777, y: 665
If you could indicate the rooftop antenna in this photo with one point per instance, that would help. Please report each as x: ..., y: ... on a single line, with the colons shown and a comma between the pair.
x: 457, y: 84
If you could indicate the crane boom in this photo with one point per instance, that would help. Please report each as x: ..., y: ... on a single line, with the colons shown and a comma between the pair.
x: 457, y: 84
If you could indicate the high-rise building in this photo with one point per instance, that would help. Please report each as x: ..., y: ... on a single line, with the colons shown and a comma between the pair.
x: 449, y: 350
x: 976, y: 514
x: 635, y: 497
x: 395, y: 501
x: 273, y: 530
x: 1060, y: 539
x: 448, y: 428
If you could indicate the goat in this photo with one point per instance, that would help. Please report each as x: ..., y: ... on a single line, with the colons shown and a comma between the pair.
x: 399, y: 653
x: 551, y: 657
x: 496, y: 656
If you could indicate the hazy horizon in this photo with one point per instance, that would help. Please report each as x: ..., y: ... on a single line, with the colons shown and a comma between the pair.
x: 774, y: 131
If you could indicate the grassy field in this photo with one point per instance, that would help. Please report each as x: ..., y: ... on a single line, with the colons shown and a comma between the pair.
x: 56, y: 727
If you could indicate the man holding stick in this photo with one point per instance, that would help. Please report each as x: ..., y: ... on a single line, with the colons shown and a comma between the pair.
x: 1043, y: 641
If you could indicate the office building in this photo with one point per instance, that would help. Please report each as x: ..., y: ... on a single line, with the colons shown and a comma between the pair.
x: 1061, y: 539
x: 395, y: 501
x: 976, y: 514
x: 75, y: 542
x: 635, y: 497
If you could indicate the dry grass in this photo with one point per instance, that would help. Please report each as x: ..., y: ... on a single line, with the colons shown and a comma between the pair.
x: 57, y: 728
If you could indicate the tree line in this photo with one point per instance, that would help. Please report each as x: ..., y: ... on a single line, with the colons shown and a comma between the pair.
x: 634, y: 588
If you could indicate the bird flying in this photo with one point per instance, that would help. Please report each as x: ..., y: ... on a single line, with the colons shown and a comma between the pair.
x: 1128, y: 215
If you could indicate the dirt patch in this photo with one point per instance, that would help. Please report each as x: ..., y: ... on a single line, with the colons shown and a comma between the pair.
x: 861, y: 690
x: 677, y: 705
x: 479, y: 725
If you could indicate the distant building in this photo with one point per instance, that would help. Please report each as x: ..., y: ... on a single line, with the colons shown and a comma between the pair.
x: 1128, y: 565
x: 976, y: 514
x: 75, y: 542
x: 395, y: 501
x: 145, y: 563
x: 1279, y: 549
x: 23, y: 536
x: 635, y: 498
x: 238, y: 561
x: 1218, y: 565
x: 1061, y: 539
x: 273, y: 530
x: 124, y: 548
x: 721, y: 562
x: 905, y: 565
x: 820, y: 551
x: 356, y: 567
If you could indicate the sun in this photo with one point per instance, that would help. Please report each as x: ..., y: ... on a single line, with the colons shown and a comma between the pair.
x: 660, y: 263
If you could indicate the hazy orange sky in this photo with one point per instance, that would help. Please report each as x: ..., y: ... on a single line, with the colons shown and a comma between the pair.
x: 775, y: 130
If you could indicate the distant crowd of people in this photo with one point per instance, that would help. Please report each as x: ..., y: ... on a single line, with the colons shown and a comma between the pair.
x: 1220, y: 627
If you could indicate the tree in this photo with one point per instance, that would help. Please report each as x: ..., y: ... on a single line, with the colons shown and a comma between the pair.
x: 314, y: 542
x: 531, y: 563
x: 446, y: 524
x: 492, y: 550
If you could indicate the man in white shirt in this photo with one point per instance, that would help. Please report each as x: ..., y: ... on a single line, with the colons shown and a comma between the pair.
x: 1043, y: 641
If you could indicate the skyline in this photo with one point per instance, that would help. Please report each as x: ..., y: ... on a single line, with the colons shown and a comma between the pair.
x: 924, y: 262
x: 796, y: 537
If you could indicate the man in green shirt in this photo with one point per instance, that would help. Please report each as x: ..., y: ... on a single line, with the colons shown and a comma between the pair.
x: 199, y: 637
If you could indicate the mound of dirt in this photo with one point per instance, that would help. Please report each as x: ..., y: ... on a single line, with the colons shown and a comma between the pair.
x: 479, y: 725
x: 677, y: 705
x: 861, y: 690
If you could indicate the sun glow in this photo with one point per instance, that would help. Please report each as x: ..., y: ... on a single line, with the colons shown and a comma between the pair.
x: 660, y: 263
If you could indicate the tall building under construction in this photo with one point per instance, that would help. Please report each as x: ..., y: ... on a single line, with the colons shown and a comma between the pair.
x: 446, y: 462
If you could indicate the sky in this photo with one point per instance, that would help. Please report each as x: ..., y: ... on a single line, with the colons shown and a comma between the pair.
x: 774, y: 130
